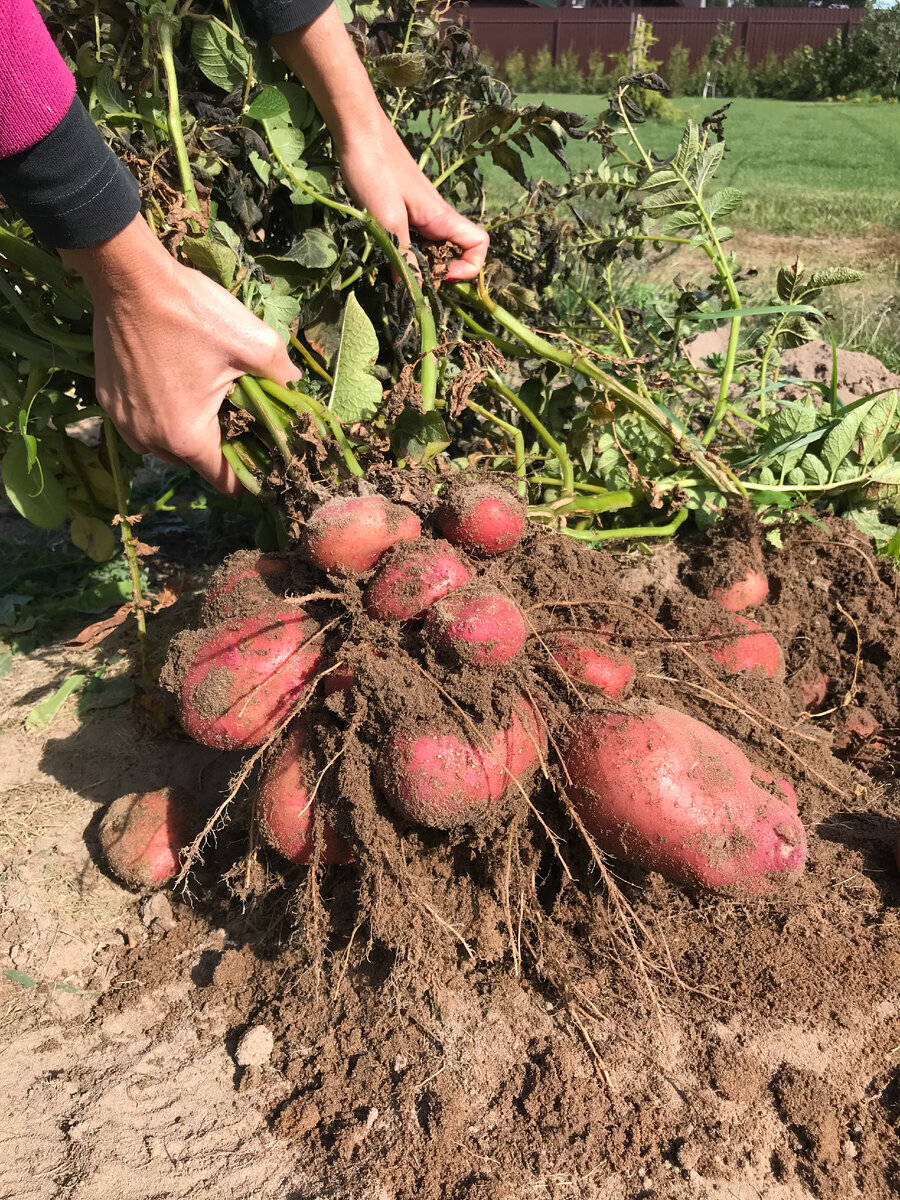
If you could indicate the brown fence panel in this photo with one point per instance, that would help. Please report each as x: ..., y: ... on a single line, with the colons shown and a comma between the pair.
x: 501, y: 30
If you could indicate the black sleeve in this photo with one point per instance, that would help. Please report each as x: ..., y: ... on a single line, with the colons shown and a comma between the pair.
x: 70, y: 187
x: 265, y: 19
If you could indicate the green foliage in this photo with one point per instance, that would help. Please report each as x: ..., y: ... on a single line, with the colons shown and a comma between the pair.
x: 866, y: 62
x: 515, y: 71
x: 678, y: 73
x: 612, y: 424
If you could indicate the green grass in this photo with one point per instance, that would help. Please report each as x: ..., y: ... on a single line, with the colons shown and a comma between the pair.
x: 805, y: 168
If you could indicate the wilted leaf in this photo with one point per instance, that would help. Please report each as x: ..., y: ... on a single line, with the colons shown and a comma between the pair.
x: 42, y: 714
x: 356, y: 393
x: 831, y: 276
x: 403, y: 70
x: 510, y: 161
x: 876, y: 425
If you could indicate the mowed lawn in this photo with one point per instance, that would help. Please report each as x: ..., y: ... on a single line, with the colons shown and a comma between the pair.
x: 804, y: 168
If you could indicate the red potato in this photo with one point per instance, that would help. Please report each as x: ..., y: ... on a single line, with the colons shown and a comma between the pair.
x: 669, y: 794
x: 755, y: 651
x: 142, y: 836
x: 478, y: 625
x: 752, y: 589
x: 245, y: 677
x: 526, y: 742
x: 606, y: 670
x: 441, y: 780
x: 347, y: 536
x: 285, y: 812
x: 814, y: 690
x: 483, y: 518
x: 245, y: 582
x: 411, y: 577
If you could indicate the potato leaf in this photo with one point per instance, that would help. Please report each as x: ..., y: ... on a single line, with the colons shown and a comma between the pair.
x: 221, y: 57
x: 876, y: 425
x: 93, y: 536
x: 42, y: 714
x: 356, y: 393
x: 725, y: 202
x: 271, y: 102
x: 213, y: 258
x: 36, y: 493
x: 841, y: 438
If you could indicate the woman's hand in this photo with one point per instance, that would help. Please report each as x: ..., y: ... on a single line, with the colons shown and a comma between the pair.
x: 379, y: 171
x: 168, y: 344
x: 383, y: 177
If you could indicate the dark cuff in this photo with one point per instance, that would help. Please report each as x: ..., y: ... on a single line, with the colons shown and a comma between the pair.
x: 265, y: 19
x: 69, y: 186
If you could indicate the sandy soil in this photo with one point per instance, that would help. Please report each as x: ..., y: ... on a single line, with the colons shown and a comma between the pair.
x: 759, y: 1057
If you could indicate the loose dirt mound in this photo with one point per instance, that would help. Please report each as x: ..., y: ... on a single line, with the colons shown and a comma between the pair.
x: 505, y: 1023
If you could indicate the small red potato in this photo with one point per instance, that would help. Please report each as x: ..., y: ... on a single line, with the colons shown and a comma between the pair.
x: 348, y: 535
x: 285, y: 812
x: 756, y: 651
x: 483, y: 518
x: 442, y: 780
x: 526, y: 742
x: 478, y: 625
x: 142, y: 836
x: 814, y: 690
x: 669, y: 794
x: 748, y: 591
x: 245, y: 677
x: 606, y: 669
x: 245, y: 583
x: 411, y: 577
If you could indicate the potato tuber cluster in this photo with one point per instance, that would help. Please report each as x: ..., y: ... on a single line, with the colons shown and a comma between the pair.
x: 274, y: 662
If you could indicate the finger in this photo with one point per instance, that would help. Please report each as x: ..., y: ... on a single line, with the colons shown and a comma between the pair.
x: 447, y: 225
x: 394, y: 219
x: 201, y: 449
x: 263, y: 353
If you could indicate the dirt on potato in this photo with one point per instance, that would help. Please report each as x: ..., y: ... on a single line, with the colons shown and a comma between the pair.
x: 487, y: 1013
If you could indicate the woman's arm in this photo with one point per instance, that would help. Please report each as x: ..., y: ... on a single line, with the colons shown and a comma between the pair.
x: 168, y: 342
x: 379, y: 171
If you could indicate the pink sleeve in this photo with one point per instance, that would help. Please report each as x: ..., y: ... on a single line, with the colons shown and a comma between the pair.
x: 36, y: 86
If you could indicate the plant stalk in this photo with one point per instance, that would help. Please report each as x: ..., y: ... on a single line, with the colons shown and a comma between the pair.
x: 164, y: 33
x: 128, y: 542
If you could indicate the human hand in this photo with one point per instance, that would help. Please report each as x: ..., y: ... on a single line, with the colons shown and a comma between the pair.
x: 168, y: 345
x: 383, y: 177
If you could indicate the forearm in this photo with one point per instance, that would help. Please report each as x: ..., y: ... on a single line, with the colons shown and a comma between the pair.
x: 322, y: 55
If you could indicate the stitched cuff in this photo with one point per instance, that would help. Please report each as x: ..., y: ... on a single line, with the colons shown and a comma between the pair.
x: 265, y: 19
x: 69, y: 186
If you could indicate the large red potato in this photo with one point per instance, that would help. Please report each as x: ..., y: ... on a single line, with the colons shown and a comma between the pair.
x: 604, y: 669
x: 668, y: 793
x: 347, y: 536
x: 285, y: 812
x: 235, y: 686
x: 411, y: 577
x: 483, y: 518
x: 477, y: 624
x: 441, y: 779
x: 142, y: 836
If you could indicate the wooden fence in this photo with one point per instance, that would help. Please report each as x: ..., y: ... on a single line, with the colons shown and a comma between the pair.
x: 760, y: 31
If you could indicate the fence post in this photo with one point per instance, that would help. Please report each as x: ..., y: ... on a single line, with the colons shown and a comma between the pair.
x: 556, y: 39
